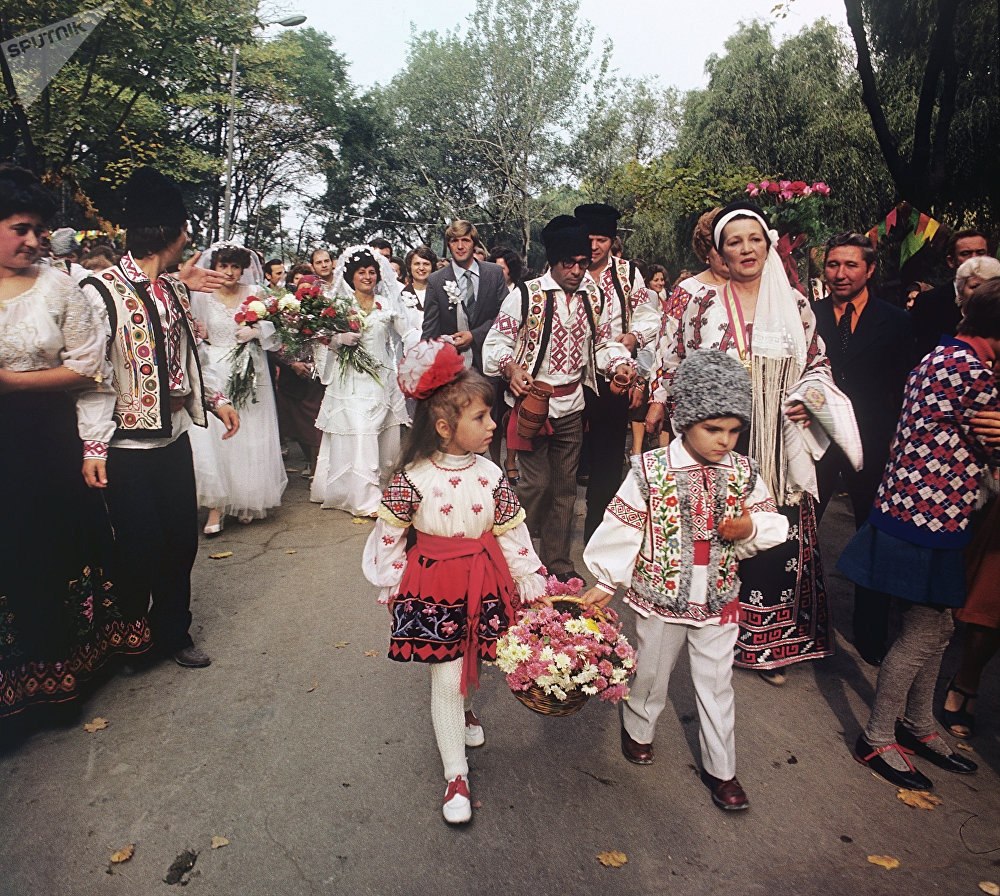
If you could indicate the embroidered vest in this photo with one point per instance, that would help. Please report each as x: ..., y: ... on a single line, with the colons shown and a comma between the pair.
x: 622, y: 275
x: 537, y: 309
x: 138, y: 354
x: 662, y: 572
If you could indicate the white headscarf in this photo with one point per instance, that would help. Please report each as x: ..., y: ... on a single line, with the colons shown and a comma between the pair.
x: 777, y: 324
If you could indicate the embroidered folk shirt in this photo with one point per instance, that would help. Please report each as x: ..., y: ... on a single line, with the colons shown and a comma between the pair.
x: 649, y: 538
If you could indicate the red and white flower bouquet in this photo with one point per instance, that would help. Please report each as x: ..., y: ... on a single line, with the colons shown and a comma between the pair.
x: 556, y: 657
x: 253, y: 311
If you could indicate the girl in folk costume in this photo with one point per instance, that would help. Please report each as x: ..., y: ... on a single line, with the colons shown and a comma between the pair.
x: 796, y: 410
x: 941, y: 467
x: 454, y: 592
x: 674, y: 535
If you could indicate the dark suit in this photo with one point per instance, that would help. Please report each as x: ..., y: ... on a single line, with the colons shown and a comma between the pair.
x: 872, y: 372
x: 441, y: 318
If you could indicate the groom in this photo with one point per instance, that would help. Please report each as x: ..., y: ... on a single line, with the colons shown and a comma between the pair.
x: 464, y: 297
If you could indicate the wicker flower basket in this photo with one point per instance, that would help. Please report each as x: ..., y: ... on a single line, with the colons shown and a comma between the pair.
x: 535, y: 697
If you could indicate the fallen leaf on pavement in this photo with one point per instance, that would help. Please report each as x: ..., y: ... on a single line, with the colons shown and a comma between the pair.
x: 98, y: 724
x: 219, y: 842
x: 612, y: 859
x: 313, y: 687
x: 887, y: 862
x: 293, y: 551
x: 123, y: 854
x: 371, y: 653
x: 360, y: 520
x: 221, y: 555
x: 476, y: 804
x: 966, y: 747
x: 341, y: 644
x: 919, y: 799
x: 987, y: 886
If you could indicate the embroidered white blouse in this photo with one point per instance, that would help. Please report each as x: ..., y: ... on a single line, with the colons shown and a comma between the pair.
x: 452, y: 496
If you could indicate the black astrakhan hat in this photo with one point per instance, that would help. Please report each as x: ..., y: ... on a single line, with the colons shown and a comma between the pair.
x: 564, y: 238
x: 598, y: 218
x: 153, y: 200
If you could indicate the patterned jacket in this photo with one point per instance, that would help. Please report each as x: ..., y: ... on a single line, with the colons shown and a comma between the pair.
x: 937, y: 463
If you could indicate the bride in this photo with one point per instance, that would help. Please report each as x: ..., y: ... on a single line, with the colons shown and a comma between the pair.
x: 361, y: 415
x: 243, y: 476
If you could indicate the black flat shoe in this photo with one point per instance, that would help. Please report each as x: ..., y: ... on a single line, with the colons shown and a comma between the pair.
x: 950, y: 762
x: 871, y: 757
x: 959, y: 718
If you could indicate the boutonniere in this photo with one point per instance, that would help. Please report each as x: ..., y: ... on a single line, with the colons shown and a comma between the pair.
x: 454, y: 292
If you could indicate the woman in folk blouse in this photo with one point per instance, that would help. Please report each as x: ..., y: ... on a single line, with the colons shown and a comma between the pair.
x: 59, y: 617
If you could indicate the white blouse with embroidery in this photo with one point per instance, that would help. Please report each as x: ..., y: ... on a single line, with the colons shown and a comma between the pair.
x: 451, y: 496
x: 51, y: 324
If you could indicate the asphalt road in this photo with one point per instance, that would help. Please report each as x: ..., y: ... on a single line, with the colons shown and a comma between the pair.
x: 313, y: 755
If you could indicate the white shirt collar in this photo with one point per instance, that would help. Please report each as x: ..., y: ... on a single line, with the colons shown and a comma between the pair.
x: 460, y: 271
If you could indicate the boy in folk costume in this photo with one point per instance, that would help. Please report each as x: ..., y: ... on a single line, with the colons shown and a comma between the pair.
x: 556, y: 328
x: 674, y: 535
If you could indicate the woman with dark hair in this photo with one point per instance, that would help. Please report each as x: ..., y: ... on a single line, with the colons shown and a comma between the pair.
x: 362, y: 411
x: 656, y: 281
x: 758, y: 318
x: 510, y: 263
x: 419, y: 265
x: 60, y: 618
x: 243, y: 476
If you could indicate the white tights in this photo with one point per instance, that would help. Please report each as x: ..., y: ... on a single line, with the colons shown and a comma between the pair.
x: 448, y: 716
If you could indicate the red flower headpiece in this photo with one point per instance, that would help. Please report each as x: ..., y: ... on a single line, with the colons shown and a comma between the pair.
x: 429, y: 366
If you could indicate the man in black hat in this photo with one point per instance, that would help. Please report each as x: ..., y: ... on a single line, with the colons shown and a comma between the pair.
x: 555, y: 328
x: 621, y: 284
x: 134, y: 430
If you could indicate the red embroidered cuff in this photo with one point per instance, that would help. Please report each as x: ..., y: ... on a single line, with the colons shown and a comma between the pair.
x: 95, y: 450
x: 502, y: 363
x: 610, y: 589
x: 618, y: 362
x: 217, y: 400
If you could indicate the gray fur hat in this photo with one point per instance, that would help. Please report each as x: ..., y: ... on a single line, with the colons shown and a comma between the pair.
x: 62, y: 241
x: 709, y: 384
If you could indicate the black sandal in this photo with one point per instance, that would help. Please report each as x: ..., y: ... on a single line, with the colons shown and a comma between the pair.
x: 960, y: 717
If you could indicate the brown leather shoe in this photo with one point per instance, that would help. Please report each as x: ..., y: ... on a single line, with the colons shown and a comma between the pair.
x: 728, y: 795
x: 633, y: 751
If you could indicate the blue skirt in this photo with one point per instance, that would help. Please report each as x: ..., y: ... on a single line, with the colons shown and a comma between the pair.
x: 908, y: 571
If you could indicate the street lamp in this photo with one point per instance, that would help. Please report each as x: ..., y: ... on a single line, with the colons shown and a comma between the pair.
x: 227, y: 214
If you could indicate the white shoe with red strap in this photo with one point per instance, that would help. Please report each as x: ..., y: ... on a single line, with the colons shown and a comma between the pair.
x: 457, y: 806
x: 474, y: 734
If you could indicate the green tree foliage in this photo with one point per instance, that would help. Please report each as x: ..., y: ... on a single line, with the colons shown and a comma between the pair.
x: 791, y: 110
x: 475, y: 125
x: 931, y: 82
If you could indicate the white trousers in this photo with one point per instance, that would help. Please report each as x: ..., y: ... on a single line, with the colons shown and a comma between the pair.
x: 710, y: 651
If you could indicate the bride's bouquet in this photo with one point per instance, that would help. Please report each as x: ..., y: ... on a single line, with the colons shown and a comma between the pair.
x: 313, y: 317
x: 556, y: 657
x: 253, y: 311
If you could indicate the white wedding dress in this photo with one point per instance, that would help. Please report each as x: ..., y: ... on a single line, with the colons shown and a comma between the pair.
x: 360, y: 417
x: 243, y: 476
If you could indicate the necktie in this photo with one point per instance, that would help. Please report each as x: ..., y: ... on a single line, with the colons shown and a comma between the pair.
x: 470, y: 294
x: 844, y: 327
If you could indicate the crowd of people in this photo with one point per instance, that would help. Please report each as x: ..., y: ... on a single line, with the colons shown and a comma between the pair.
x: 710, y: 421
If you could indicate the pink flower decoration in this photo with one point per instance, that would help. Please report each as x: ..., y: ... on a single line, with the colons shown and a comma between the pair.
x: 455, y: 481
x: 446, y: 509
x: 477, y: 508
x: 821, y: 188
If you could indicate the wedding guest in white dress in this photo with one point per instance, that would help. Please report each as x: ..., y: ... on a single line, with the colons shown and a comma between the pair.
x: 243, y: 476
x: 420, y: 263
x: 361, y: 414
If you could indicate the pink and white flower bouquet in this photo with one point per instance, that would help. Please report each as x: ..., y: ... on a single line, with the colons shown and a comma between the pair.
x: 567, y: 651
